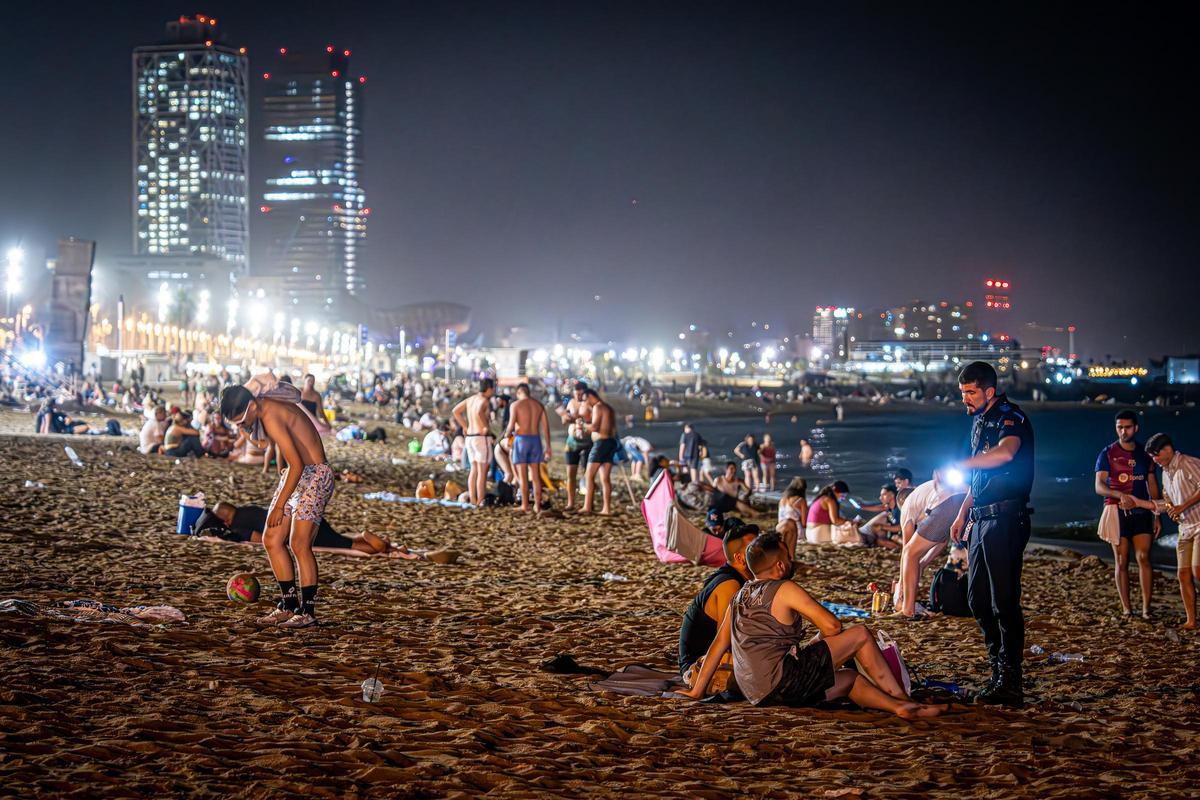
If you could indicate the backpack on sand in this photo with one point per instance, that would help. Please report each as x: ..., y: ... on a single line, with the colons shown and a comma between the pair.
x: 948, y: 593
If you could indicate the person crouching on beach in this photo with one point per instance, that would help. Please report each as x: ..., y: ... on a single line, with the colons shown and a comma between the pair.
x: 775, y: 662
x: 273, y: 413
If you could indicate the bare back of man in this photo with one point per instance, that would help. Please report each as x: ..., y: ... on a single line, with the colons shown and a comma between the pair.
x: 473, y: 415
x: 527, y: 424
x: 604, y: 448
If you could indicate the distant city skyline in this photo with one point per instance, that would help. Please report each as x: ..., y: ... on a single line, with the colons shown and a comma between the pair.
x: 312, y: 208
x: 718, y: 162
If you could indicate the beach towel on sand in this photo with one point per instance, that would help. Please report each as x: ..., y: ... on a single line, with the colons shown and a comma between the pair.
x: 92, y: 611
x: 639, y: 681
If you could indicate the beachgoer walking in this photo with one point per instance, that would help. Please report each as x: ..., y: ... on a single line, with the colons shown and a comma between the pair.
x: 994, y: 517
x: 474, y: 416
x: 1124, y: 472
x: 1181, y: 490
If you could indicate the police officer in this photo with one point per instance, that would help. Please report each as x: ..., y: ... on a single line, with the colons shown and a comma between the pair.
x: 995, y: 520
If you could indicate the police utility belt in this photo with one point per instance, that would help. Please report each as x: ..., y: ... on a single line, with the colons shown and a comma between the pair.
x: 1000, y: 509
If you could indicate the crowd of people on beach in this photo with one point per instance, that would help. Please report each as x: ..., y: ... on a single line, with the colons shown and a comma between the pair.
x: 502, y: 441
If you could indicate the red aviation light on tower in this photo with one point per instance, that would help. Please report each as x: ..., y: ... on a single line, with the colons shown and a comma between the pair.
x: 346, y: 53
x: 362, y: 78
x: 328, y: 48
x: 334, y: 73
x: 283, y: 51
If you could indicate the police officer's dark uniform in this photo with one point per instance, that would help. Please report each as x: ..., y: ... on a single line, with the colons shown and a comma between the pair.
x: 996, y: 542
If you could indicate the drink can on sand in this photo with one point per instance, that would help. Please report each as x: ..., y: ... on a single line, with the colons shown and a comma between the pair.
x: 372, y: 690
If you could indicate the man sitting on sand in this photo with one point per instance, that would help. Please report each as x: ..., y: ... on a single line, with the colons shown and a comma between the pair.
x: 272, y: 412
x: 182, y: 440
x: 775, y: 663
x: 703, y: 616
x: 154, y: 430
x: 527, y: 423
x: 883, y: 529
x: 727, y: 492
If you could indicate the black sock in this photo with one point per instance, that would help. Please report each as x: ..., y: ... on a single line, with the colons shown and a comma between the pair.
x: 307, y: 595
x: 290, y: 601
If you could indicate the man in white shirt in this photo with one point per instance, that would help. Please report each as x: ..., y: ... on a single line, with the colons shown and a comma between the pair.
x: 1181, y: 488
x: 150, y: 440
x: 435, y: 443
x: 925, y: 520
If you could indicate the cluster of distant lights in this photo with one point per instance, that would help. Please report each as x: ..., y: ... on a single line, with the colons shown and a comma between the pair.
x: 333, y: 73
x: 657, y: 358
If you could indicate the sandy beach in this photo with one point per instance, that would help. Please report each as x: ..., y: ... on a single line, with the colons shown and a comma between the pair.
x: 216, y: 707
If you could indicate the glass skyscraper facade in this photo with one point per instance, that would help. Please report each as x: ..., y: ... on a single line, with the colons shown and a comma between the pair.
x: 190, y: 144
x: 313, y: 207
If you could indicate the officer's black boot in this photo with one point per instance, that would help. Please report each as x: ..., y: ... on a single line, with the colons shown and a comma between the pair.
x: 1006, y: 690
x: 991, y: 684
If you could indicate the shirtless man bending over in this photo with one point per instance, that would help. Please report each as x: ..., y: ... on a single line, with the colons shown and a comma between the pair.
x: 473, y: 416
x: 305, y: 487
x: 527, y: 423
x: 604, y: 447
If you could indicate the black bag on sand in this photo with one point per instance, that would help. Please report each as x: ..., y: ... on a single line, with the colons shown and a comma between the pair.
x: 948, y: 593
x: 113, y: 428
x: 377, y: 435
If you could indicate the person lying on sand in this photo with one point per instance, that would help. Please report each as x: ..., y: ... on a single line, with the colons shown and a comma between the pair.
x: 703, y: 616
x: 247, y: 523
x: 775, y: 665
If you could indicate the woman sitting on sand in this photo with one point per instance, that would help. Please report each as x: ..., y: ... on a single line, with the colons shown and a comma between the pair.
x: 824, y: 514
x: 793, y: 512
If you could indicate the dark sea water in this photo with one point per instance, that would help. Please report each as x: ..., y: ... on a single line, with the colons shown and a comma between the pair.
x: 869, y: 442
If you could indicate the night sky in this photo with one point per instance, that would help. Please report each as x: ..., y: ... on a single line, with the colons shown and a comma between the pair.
x: 695, y: 162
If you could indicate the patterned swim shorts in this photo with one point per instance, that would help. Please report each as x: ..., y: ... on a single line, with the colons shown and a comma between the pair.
x: 311, y: 495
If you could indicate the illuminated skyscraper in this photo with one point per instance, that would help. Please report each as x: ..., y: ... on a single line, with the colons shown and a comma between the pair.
x: 189, y: 145
x: 313, y: 206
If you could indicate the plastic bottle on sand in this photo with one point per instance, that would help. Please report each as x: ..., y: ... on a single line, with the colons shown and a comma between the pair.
x: 1062, y: 658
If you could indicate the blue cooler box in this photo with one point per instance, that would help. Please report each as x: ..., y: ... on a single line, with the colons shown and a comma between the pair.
x: 190, y: 509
